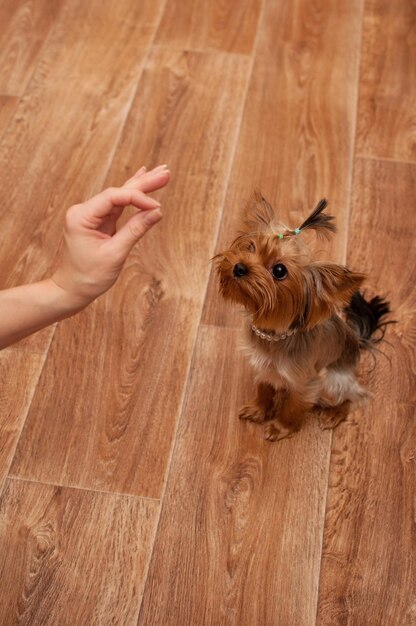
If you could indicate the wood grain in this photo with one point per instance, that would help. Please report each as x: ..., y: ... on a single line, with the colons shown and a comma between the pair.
x: 62, y: 137
x: 7, y: 107
x: 297, y: 134
x: 25, y: 26
x: 110, y: 424
x: 19, y: 374
x: 222, y: 25
x: 72, y: 557
x: 239, y: 539
x: 387, y: 113
x: 246, y: 535
x: 368, y: 575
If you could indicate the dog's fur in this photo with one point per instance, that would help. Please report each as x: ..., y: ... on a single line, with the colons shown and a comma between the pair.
x: 317, y: 365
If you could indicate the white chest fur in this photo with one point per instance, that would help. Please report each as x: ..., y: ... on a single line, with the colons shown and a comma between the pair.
x: 267, y: 360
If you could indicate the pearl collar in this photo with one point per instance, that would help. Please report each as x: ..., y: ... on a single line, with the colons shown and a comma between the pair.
x: 272, y: 336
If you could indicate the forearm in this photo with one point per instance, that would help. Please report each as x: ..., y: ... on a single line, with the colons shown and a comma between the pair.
x: 29, y: 308
x: 93, y: 255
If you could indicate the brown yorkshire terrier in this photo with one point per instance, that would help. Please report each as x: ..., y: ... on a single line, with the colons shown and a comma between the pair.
x: 308, y: 320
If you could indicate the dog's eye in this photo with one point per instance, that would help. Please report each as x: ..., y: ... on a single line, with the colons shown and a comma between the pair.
x: 279, y: 271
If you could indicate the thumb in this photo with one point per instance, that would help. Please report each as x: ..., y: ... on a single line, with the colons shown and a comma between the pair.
x: 134, y: 229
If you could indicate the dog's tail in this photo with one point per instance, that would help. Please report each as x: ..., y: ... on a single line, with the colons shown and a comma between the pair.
x: 368, y: 318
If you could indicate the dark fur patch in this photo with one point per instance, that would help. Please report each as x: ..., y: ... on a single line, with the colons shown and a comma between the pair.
x: 320, y: 221
x: 368, y: 316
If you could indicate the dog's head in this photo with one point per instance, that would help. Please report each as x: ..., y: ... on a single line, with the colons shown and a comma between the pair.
x: 271, y: 271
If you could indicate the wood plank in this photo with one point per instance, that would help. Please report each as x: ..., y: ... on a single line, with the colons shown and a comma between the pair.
x: 386, y: 121
x: 7, y: 107
x: 216, y: 25
x: 19, y: 374
x: 110, y: 424
x: 239, y: 539
x: 25, y: 26
x: 296, y: 140
x: 63, y: 135
x: 368, y: 571
x: 72, y: 557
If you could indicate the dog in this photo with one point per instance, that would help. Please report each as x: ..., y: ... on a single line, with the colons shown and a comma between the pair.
x: 308, y: 321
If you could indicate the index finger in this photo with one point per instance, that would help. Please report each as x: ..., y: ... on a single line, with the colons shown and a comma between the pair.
x: 103, y: 203
x: 150, y: 181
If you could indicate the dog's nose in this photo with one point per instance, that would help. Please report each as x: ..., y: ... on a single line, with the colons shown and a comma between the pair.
x: 240, y: 270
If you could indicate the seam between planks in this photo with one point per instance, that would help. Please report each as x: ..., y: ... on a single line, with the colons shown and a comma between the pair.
x: 373, y: 157
x: 6, y: 476
x: 77, y: 488
x: 115, y: 150
x: 132, y: 99
x: 354, y: 135
x: 116, y: 146
x: 205, y: 290
x: 347, y: 229
x: 18, y: 348
x: 207, y: 50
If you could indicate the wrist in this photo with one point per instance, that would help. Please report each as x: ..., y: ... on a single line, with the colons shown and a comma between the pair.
x: 63, y: 301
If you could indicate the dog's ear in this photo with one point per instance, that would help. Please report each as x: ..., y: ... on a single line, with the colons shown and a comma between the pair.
x: 318, y: 220
x: 258, y: 213
x: 334, y: 283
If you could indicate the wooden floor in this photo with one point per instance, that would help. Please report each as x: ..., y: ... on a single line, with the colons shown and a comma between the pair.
x: 130, y: 492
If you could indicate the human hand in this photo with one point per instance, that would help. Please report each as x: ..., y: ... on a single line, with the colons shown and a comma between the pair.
x: 94, y: 253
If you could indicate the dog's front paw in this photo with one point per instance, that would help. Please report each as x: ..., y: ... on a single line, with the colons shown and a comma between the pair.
x: 276, y: 431
x: 252, y: 412
x: 330, y: 418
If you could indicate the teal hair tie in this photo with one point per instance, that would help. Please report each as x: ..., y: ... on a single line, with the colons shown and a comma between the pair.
x: 297, y: 231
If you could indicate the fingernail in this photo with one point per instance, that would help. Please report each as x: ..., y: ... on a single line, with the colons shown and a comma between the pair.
x: 142, y: 170
x: 154, y: 216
